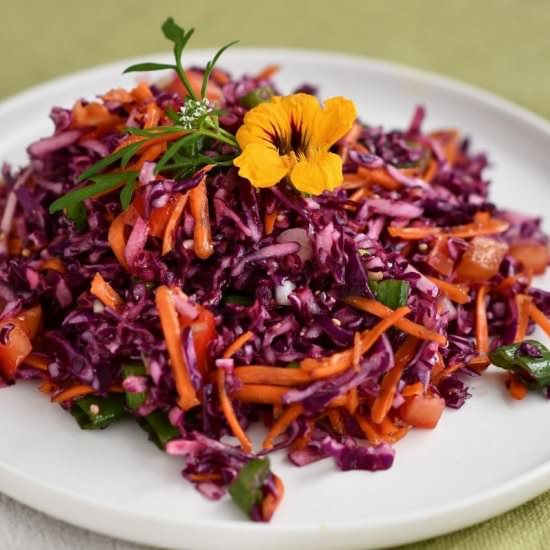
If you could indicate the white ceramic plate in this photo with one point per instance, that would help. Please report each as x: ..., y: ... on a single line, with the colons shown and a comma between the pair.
x: 482, y: 460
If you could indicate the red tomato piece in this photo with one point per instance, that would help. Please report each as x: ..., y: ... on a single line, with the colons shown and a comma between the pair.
x: 482, y: 259
x: 422, y: 411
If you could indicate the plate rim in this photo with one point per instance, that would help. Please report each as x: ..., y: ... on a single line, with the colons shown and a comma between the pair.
x: 429, y: 522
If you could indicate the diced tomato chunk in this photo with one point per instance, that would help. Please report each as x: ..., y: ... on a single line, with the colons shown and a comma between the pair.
x: 533, y: 255
x: 422, y: 411
x: 482, y: 259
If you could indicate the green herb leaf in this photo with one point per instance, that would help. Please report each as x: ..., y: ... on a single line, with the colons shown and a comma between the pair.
x: 126, y: 193
x: 211, y: 64
x: 159, y: 428
x: 257, y: 96
x: 393, y: 293
x: 246, y: 489
x: 79, y: 215
x: 94, y: 413
x: 533, y: 371
x: 108, y: 160
x: 238, y: 299
x: 138, y: 67
x: 102, y: 184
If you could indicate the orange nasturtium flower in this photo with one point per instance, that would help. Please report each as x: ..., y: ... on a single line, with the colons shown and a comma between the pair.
x: 291, y: 136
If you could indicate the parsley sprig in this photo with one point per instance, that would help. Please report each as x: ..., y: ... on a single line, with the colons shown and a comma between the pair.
x: 198, y: 124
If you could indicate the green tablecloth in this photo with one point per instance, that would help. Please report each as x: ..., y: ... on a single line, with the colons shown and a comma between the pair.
x: 503, y: 46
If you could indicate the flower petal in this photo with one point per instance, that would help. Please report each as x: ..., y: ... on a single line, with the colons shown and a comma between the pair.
x: 262, y: 165
x: 319, y: 171
x: 301, y: 110
x: 268, y: 122
x: 333, y: 121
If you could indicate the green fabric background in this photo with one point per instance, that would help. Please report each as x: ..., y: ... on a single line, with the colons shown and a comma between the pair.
x: 502, y: 46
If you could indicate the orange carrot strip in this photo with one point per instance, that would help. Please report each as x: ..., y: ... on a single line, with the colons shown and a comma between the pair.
x: 170, y: 229
x: 229, y: 412
x: 368, y: 339
x: 371, y: 433
x: 237, y: 344
x: 413, y: 389
x: 482, y: 329
x: 260, y: 393
x: 204, y: 477
x: 152, y: 115
x: 539, y: 318
x: 516, y: 387
x: 454, y: 292
x: 199, y: 209
x: 274, y: 376
x: 142, y: 92
x: 522, y: 303
x: 378, y: 176
x: 445, y: 372
x: 336, y: 422
x: 36, y: 361
x: 117, y: 240
x: 431, y: 171
x: 269, y: 222
x: 102, y: 290
x: 352, y: 401
x: 272, y: 500
x: 380, y: 310
x: 148, y: 142
x: 71, y: 393
x: 383, y: 402
x: 356, y: 354
x: 47, y: 387
x: 120, y: 95
x: 55, y: 264
x: 290, y: 414
x: 392, y: 433
x: 268, y: 72
x: 172, y: 335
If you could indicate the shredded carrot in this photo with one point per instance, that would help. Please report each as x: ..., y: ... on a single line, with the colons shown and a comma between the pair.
x: 272, y: 499
x: 229, y: 412
x: 275, y: 376
x: 142, y: 92
x: 55, y: 264
x: 290, y: 414
x: 454, y: 292
x: 437, y: 377
x: 237, y: 344
x: 269, y: 222
x: 118, y: 95
x: 371, y: 433
x: 539, y: 318
x: 431, y: 171
x: 260, y: 393
x: 268, y: 72
x: 172, y: 335
x: 368, y: 339
x: 171, y: 224
x: 198, y: 478
x: 92, y: 115
x: 516, y: 387
x: 482, y: 329
x: 336, y: 422
x: 384, y: 400
x: 356, y: 355
x: 152, y: 115
x: 392, y: 433
x: 116, y: 237
x: 479, y: 363
x: 413, y: 389
x: 149, y: 142
x: 199, y: 210
x: 102, y: 290
x: 36, y: 361
x: 479, y: 227
x: 522, y: 304
x: 352, y: 401
x: 378, y: 176
x: 47, y: 387
x: 380, y: 310
x: 72, y: 393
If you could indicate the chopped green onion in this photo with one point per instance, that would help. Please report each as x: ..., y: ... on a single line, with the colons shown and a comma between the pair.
x: 533, y: 371
x: 94, y: 413
x: 257, y: 96
x: 246, y: 489
x: 393, y: 293
x: 159, y: 428
x: 134, y: 400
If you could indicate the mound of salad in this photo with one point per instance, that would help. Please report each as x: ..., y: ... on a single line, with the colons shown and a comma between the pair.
x: 204, y: 254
